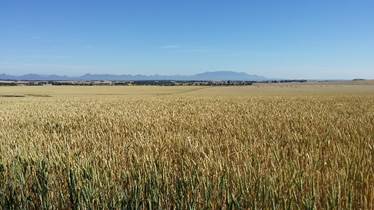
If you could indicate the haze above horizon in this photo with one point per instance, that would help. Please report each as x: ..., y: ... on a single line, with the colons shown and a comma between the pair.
x: 276, y: 39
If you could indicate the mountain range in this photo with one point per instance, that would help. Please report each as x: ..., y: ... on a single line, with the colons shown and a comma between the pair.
x: 206, y: 76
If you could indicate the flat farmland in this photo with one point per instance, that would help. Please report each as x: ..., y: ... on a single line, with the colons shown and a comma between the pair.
x: 266, y: 146
x: 288, y: 89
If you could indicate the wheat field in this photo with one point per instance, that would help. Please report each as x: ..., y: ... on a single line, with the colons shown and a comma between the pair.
x: 258, y: 147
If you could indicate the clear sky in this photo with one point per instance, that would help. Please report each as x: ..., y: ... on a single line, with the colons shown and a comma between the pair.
x: 313, y: 39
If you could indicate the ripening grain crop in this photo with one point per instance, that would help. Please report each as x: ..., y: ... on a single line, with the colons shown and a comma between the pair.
x: 187, y: 149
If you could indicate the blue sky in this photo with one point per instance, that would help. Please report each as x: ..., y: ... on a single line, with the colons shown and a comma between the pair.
x: 314, y: 39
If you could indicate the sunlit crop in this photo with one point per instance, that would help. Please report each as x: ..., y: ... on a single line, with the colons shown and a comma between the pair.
x: 187, y: 151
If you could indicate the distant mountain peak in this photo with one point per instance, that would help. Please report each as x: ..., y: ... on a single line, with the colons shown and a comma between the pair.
x: 227, y: 75
x: 209, y: 75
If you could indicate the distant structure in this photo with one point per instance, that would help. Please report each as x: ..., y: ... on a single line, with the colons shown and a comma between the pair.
x: 140, y: 82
